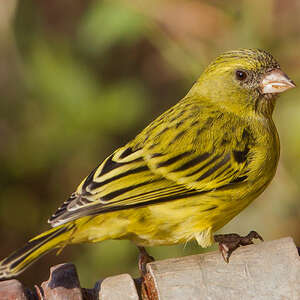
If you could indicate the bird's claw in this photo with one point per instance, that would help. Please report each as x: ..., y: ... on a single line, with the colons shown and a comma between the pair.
x: 230, y: 242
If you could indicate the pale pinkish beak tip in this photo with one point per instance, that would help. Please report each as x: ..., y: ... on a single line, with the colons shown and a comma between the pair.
x: 276, y: 82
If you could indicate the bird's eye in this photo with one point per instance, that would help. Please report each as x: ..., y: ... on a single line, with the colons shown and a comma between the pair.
x: 240, y: 75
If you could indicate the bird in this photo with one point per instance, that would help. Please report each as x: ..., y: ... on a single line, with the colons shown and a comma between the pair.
x: 186, y: 175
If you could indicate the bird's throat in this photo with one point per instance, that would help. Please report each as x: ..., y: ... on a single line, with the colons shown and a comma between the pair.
x: 265, y: 104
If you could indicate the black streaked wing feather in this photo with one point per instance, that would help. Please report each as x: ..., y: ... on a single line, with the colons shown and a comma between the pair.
x: 164, y: 169
x: 119, y: 182
x: 197, y: 155
x: 136, y: 186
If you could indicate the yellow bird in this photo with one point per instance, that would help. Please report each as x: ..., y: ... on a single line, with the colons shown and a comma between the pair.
x: 186, y: 174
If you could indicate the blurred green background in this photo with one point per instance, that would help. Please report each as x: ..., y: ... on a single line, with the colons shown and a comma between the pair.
x: 80, y: 78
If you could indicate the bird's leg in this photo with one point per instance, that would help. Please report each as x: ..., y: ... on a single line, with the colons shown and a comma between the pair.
x: 145, y: 282
x: 144, y: 258
x: 229, y: 242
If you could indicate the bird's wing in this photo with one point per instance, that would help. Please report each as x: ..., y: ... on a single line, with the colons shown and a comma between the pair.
x: 161, y: 164
x: 122, y: 181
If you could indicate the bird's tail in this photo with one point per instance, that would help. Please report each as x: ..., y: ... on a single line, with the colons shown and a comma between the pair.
x: 19, y: 260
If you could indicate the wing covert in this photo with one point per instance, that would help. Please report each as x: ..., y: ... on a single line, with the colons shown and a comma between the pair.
x: 194, y: 150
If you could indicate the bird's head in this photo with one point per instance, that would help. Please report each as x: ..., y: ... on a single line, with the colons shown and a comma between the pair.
x: 245, y: 81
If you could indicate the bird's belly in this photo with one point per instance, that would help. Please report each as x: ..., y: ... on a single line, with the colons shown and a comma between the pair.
x: 168, y: 223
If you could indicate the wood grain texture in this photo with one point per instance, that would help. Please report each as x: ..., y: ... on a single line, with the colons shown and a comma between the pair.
x: 63, y: 284
x: 269, y: 270
x: 120, y: 287
x: 12, y: 290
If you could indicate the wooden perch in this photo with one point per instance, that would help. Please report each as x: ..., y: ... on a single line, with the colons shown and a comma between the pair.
x: 269, y: 270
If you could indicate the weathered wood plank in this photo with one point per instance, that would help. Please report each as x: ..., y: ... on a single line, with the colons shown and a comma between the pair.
x: 12, y: 290
x: 120, y: 287
x: 63, y: 284
x: 269, y: 270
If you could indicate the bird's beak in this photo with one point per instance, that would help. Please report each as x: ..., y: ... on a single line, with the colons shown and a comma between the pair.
x: 276, y: 81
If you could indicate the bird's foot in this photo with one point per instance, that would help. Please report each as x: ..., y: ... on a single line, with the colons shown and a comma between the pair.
x: 229, y: 242
x: 144, y: 258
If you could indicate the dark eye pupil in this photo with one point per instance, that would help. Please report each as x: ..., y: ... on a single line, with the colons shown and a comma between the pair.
x: 241, y: 75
